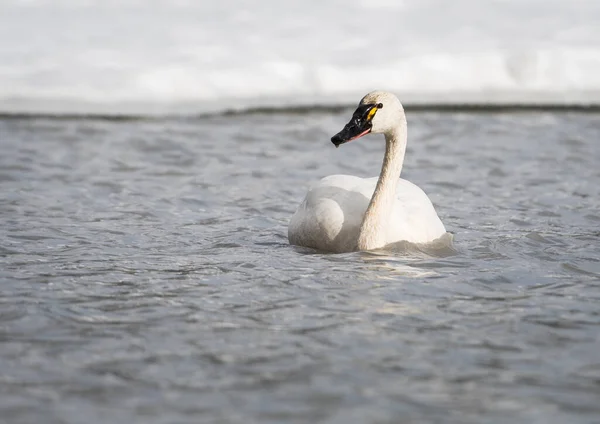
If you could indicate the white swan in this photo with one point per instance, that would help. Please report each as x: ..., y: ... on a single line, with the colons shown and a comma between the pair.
x: 343, y: 213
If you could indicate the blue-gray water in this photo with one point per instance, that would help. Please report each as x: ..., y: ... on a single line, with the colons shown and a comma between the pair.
x: 146, y: 277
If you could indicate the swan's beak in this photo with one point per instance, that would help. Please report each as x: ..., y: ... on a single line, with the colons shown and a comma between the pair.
x: 359, y: 125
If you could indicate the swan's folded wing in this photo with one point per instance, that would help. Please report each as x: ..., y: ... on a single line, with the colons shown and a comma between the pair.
x: 414, y: 217
x: 329, y: 218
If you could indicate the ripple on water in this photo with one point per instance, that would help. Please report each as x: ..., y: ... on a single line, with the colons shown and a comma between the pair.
x: 146, y: 274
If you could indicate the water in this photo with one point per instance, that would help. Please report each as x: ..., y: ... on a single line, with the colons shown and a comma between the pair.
x: 146, y: 275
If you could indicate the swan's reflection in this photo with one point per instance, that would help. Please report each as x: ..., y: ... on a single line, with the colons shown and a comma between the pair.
x: 401, y: 258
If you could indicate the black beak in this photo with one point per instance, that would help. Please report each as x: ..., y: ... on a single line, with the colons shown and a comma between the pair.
x: 359, y: 125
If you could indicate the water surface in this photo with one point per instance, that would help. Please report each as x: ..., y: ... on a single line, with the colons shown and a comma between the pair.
x: 146, y: 275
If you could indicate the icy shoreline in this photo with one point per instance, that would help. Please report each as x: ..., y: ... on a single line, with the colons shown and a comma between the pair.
x: 159, y: 57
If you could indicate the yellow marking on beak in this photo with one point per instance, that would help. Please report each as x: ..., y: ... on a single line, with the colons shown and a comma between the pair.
x: 372, y: 113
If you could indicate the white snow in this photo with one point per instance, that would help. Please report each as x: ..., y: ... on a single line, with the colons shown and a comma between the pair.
x: 109, y: 56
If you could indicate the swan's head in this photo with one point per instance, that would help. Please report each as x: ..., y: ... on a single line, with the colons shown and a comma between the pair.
x: 377, y: 112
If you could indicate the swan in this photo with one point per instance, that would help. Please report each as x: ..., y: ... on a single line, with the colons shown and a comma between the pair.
x: 344, y: 213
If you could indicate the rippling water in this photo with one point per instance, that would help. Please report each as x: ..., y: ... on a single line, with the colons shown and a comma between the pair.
x: 146, y: 275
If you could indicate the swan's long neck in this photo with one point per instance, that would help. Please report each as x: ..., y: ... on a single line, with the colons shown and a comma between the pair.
x: 373, y: 228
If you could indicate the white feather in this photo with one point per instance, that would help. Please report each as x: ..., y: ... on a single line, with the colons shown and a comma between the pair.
x: 333, y: 216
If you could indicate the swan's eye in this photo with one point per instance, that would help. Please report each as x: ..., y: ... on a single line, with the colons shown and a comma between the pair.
x: 379, y: 105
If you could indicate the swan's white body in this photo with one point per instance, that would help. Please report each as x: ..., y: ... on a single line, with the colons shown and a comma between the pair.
x: 343, y: 213
x: 332, y: 212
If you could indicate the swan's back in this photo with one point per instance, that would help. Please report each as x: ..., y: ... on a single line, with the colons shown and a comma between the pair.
x: 414, y: 218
